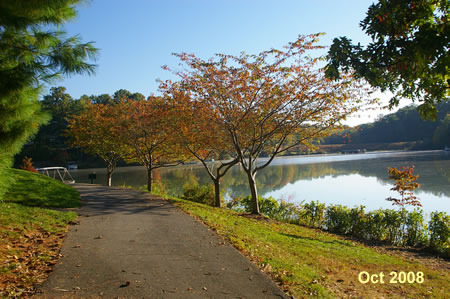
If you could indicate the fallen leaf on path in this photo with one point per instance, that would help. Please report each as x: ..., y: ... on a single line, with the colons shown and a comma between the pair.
x: 125, y: 284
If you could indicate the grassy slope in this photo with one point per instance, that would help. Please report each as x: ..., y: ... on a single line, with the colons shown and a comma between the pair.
x: 35, y: 190
x: 30, y: 235
x: 308, y: 262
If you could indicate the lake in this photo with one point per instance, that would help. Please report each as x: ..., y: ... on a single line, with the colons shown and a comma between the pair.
x: 352, y: 179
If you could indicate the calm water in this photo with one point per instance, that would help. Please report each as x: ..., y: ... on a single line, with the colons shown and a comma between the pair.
x: 350, y: 180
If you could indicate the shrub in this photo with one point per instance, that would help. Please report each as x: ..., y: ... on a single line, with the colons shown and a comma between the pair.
x: 278, y: 210
x: 394, y: 221
x: 313, y: 214
x: 375, y: 226
x: 236, y: 204
x: 288, y: 212
x: 202, y: 194
x: 358, y: 222
x: 158, y: 188
x: 415, y: 229
x: 338, y: 219
x: 267, y: 206
x: 28, y: 165
x: 439, y: 232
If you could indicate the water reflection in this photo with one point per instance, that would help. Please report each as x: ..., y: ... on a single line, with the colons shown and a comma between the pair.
x: 333, y: 179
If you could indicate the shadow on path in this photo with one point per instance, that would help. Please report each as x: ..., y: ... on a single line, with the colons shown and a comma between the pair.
x: 100, y: 200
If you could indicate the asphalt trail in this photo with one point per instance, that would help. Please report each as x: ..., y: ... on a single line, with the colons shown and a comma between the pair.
x: 129, y: 244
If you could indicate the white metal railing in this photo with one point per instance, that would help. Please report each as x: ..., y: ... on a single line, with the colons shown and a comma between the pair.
x: 57, y: 173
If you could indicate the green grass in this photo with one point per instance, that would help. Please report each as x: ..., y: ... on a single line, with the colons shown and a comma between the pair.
x: 35, y: 190
x: 311, y: 263
x: 30, y: 233
x: 18, y: 218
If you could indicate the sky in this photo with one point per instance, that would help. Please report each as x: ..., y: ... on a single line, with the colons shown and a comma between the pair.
x: 135, y: 38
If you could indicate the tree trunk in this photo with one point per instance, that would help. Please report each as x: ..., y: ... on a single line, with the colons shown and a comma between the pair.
x: 149, y: 180
x: 217, y: 193
x: 109, y: 172
x: 254, y: 193
x: 108, y: 178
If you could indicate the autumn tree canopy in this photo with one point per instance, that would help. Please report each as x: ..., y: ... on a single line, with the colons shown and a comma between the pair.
x: 200, y: 135
x: 259, y: 102
x: 405, y: 184
x: 144, y: 128
x: 95, y: 130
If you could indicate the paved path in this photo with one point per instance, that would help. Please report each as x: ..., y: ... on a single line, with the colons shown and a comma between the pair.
x: 129, y: 244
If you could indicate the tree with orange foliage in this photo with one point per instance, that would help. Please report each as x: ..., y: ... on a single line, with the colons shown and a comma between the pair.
x: 258, y: 103
x: 28, y: 165
x: 144, y: 128
x: 404, y: 184
x: 93, y: 130
x: 201, y: 137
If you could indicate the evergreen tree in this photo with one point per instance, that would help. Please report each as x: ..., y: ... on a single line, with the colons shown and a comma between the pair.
x: 33, y: 52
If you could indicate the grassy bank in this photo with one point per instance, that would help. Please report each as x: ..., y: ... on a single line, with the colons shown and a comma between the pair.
x: 32, y: 235
x: 311, y: 263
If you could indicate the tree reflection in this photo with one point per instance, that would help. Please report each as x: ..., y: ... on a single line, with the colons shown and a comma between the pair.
x: 433, y: 168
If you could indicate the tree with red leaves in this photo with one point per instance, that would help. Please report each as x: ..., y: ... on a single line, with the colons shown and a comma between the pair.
x: 404, y: 184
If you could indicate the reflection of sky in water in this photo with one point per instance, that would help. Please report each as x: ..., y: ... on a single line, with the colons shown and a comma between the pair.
x: 352, y: 190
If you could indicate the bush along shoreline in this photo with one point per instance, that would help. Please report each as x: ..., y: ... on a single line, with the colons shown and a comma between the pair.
x: 387, y: 226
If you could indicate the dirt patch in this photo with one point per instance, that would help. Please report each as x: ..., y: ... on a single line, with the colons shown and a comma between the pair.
x: 259, y: 217
x: 416, y: 254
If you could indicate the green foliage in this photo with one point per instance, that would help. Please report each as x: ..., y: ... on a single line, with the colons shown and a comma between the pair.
x: 158, y: 188
x: 441, y: 136
x: 338, y: 219
x: 31, y: 53
x: 278, y: 210
x: 313, y: 213
x: 408, y: 54
x: 342, y: 220
x: 375, y: 226
x: 20, y: 117
x: 202, y: 194
x: 394, y: 221
x: 267, y: 205
x: 415, y: 229
x: 439, y: 228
